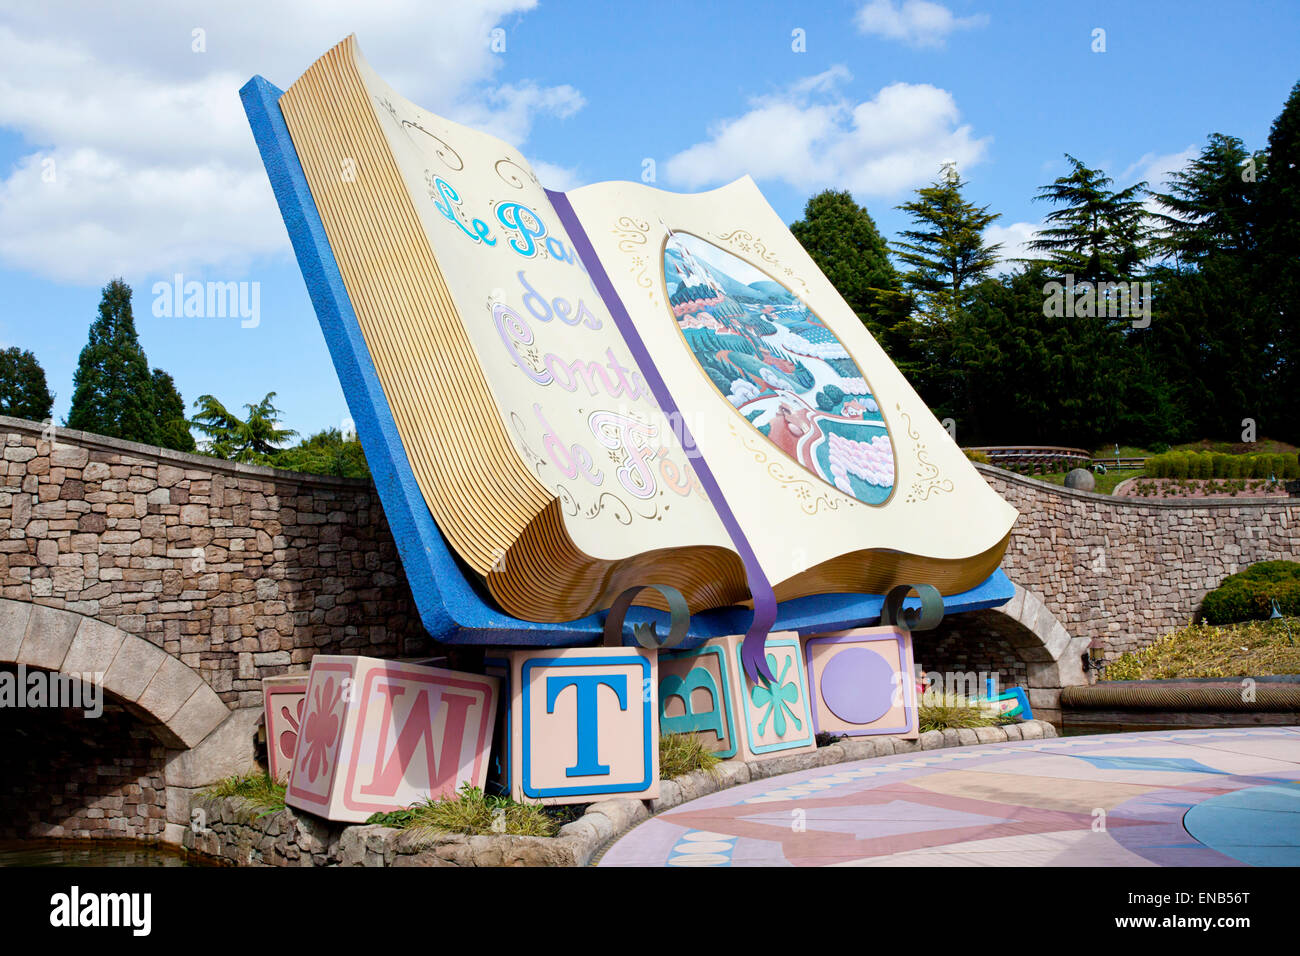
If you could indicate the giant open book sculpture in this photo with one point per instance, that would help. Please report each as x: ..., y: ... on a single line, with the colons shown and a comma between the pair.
x: 563, y: 396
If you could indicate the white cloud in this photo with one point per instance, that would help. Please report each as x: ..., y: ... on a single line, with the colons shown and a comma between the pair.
x: 811, y: 136
x: 558, y: 178
x: 1155, y: 168
x: 155, y: 168
x: 1014, y: 238
x: 917, y: 23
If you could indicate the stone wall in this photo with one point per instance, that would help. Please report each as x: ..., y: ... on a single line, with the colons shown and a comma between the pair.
x: 1122, y: 571
x: 238, y: 571
x: 973, y: 643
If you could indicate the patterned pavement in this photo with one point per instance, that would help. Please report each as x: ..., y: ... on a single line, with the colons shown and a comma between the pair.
x: 1180, y: 798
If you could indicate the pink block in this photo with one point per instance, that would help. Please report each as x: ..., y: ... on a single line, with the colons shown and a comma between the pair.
x: 584, y: 724
x: 863, y: 682
x: 380, y: 735
x: 283, y: 699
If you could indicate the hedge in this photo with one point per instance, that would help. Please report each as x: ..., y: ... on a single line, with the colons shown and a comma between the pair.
x: 1249, y: 595
x: 1182, y: 464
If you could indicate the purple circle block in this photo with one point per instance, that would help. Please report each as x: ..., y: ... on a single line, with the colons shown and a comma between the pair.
x: 857, y: 685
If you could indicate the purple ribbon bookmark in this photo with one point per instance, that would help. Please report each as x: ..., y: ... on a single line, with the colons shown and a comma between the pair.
x: 753, y: 649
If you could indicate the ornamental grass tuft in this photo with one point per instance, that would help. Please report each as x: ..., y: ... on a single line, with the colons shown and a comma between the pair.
x: 680, y: 754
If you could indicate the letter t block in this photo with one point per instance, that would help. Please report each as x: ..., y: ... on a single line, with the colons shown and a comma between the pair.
x: 584, y: 723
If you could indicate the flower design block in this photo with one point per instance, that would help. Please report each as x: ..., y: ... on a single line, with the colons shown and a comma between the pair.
x: 774, y: 718
x: 283, y: 701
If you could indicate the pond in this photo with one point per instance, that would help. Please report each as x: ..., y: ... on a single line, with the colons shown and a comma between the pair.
x: 95, y: 853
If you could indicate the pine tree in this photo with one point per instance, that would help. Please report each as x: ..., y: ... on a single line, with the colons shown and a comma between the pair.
x: 946, y: 251
x: 23, y: 390
x: 112, y: 389
x: 1097, y: 234
x: 1279, y: 272
x: 173, y: 429
x: 256, y: 439
x: 1211, y: 334
x: 1211, y: 204
x: 1015, y: 374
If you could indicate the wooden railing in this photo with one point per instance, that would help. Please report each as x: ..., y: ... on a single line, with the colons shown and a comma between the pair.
x: 1012, y: 456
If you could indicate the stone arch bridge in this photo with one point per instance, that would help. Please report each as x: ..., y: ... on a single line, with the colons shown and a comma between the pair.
x: 183, y: 581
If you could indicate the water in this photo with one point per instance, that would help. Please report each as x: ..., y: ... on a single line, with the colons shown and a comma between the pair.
x: 95, y: 853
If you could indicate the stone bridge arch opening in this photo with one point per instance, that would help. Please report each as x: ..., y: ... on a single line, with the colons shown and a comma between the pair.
x: 100, y: 763
x: 1022, y: 643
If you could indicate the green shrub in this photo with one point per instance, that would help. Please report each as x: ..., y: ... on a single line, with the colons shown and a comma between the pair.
x: 1249, y: 595
x: 1204, y: 465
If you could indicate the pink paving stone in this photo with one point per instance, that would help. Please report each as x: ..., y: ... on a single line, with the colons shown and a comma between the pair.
x: 1023, y: 803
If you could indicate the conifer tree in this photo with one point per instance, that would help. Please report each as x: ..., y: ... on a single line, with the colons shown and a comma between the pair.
x: 946, y: 250
x: 1096, y: 234
x: 841, y: 237
x: 1279, y: 271
x: 173, y: 429
x: 112, y: 388
x: 23, y: 390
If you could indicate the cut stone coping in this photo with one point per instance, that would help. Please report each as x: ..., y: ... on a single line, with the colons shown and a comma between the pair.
x: 236, y: 830
x: 1129, y: 501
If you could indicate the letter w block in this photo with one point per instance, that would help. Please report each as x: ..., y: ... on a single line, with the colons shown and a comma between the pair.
x: 378, y: 735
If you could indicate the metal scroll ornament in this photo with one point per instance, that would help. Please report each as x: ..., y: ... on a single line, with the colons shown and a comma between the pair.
x: 927, y: 616
x: 645, y: 633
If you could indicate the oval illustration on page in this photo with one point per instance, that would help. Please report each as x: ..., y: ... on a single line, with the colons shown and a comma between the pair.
x: 780, y: 367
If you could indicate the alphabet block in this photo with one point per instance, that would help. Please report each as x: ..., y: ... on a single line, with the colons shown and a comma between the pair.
x: 283, y: 699
x: 696, y: 691
x: 584, y: 724
x: 499, y: 760
x: 707, y: 693
x: 775, y: 719
x: 380, y: 735
x: 863, y: 682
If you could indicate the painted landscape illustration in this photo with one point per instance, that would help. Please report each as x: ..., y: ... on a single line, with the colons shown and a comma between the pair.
x: 780, y: 367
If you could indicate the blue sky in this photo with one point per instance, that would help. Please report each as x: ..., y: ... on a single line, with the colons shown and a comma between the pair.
x: 154, y: 171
